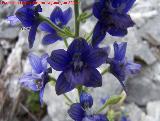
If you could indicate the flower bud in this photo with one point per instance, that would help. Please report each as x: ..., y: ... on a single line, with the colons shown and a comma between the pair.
x: 86, y: 100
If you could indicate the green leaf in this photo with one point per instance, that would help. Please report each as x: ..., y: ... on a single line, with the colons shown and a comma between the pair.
x: 82, y: 17
x: 111, y: 115
x: 113, y: 100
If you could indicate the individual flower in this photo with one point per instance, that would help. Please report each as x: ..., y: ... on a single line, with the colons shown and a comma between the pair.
x: 78, y: 65
x: 119, y: 66
x: 38, y: 77
x: 112, y: 18
x: 78, y: 112
x: 28, y: 15
x: 59, y: 18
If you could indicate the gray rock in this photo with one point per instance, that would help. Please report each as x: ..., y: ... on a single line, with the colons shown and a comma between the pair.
x: 153, y: 110
x: 46, y: 118
x: 151, y: 31
x: 145, y: 87
x: 134, y: 112
x: 6, y: 10
x: 9, y: 33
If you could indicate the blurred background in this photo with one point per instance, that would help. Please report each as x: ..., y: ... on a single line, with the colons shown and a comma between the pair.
x: 143, y: 100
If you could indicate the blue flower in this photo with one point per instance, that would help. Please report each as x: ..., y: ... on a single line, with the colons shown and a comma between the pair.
x: 28, y: 15
x: 78, y: 65
x: 119, y: 66
x: 112, y: 18
x: 59, y: 18
x: 78, y: 112
x: 37, y: 79
x: 86, y: 100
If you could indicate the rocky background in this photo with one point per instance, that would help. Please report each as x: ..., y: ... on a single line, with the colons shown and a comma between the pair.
x: 143, y: 100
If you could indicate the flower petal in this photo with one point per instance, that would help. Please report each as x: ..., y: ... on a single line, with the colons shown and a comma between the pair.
x: 59, y: 59
x: 78, y: 46
x: 97, y: 8
x: 13, y: 20
x: 120, y: 50
x: 97, y: 56
x: 99, y: 34
x: 62, y: 84
x: 67, y: 15
x: 128, y: 6
x: 76, y: 112
x: 32, y: 34
x: 92, y: 77
x: 44, y: 61
x: 35, y: 62
x: 117, y: 32
x: 50, y: 39
x: 132, y: 68
x: 41, y: 95
x: 46, y: 27
x: 56, y: 14
x: 28, y: 81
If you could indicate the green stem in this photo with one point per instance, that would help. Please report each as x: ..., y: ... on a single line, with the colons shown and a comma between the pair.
x: 69, y: 100
x: 89, y: 36
x: 66, y: 43
x: 101, y: 109
x: 104, y: 71
x: 77, y: 23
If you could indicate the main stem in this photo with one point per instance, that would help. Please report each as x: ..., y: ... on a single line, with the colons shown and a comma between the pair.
x: 77, y: 23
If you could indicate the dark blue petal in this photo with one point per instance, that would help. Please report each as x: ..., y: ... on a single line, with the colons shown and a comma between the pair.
x: 26, y: 15
x: 35, y: 62
x: 63, y: 85
x: 86, y: 100
x: 97, y: 8
x: 117, y: 32
x: 46, y: 27
x: 41, y: 95
x: 123, y: 5
x: 117, y: 68
x: 120, y: 51
x: 59, y: 59
x: 57, y: 15
x: 92, y: 77
x: 50, y: 39
x: 78, y: 46
x: 97, y: 56
x: 99, y: 34
x: 67, y: 15
x: 28, y: 81
x: 129, y: 4
x: 76, y: 112
x: 32, y: 34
